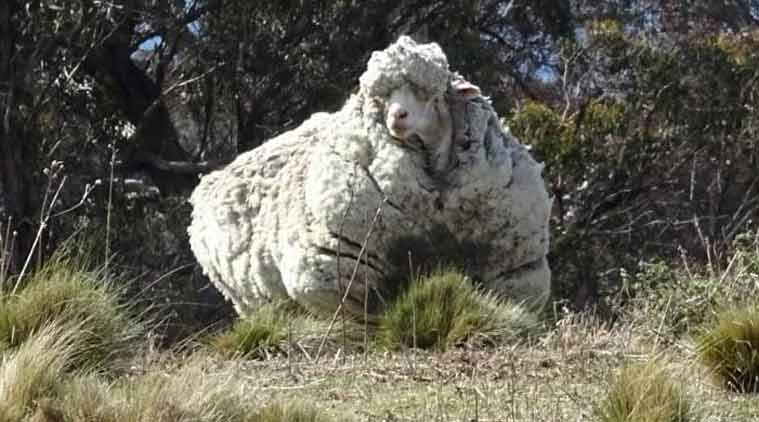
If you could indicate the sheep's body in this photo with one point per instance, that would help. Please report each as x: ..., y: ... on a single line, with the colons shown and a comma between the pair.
x: 291, y: 218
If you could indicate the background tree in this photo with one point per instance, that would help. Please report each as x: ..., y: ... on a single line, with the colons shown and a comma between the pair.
x: 644, y: 112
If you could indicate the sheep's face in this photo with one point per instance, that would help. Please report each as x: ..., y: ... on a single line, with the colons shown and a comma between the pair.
x: 415, y: 117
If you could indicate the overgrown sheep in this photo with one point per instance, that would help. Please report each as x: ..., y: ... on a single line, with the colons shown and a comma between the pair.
x: 414, y: 171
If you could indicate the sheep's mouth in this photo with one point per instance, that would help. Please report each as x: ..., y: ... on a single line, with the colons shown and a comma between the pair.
x: 408, y: 139
x: 415, y: 140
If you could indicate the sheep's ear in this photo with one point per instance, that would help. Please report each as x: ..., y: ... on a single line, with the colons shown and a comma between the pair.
x: 466, y: 89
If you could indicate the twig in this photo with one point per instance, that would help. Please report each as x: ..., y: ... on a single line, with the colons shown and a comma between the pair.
x: 366, y: 310
x: 339, y: 255
x: 43, y: 224
x: 6, y: 251
x: 108, y: 211
x: 350, y: 282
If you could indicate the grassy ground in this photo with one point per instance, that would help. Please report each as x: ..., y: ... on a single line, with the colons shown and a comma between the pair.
x: 270, y: 369
x: 563, y: 376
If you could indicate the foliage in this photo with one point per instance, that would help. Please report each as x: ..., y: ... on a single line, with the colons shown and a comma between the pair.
x: 444, y: 310
x: 674, y: 299
x: 645, y: 393
x: 643, y: 111
x: 669, y: 298
x: 643, y: 159
x: 729, y: 347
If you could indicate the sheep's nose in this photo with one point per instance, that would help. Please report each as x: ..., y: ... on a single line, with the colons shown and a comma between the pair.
x: 398, y: 112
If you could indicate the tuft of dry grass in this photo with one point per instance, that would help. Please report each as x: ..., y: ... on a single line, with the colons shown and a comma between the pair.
x: 63, y: 292
x: 289, y: 411
x: 36, y: 368
x: 444, y: 310
x: 645, y: 393
x: 191, y: 391
x: 730, y: 349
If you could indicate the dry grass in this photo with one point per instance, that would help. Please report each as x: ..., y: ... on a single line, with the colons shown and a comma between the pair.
x: 561, y: 374
x: 645, y: 393
x: 730, y: 349
x: 35, y: 369
x: 191, y: 390
x: 61, y: 292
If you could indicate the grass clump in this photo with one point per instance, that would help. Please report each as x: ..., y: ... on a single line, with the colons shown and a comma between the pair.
x: 192, y: 391
x: 64, y: 292
x: 729, y: 347
x: 290, y: 411
x: 644, y: 393
x: 444, y: 310
x: 35, y: 369
x: 263, y: 333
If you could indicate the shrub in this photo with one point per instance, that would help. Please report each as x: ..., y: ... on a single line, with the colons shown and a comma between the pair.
x: 644, y: 393
x: 668, y: 298
x: 63, y: 292
x: 674, y: 301
x: 444, y: 310
x: 730, y: 349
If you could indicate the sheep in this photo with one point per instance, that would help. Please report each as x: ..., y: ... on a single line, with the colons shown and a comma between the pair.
x: 349, y: 203
x: 488, y: 158
x: 233, y: 207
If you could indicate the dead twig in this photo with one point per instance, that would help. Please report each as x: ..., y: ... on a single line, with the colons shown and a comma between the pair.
x: 350, y: 282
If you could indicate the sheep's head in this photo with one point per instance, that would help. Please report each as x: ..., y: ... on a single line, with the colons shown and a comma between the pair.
x: 417, y: 118
x: 409, y: 81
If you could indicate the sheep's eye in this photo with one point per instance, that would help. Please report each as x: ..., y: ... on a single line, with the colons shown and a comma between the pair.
x: 419, y: 93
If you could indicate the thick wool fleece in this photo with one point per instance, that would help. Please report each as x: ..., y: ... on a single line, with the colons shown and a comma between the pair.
x: 336, y: 205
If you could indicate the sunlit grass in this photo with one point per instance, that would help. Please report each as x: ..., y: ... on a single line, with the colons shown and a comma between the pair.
x: 730, y: 349
x: 645, y: 393
x: 445, y: 310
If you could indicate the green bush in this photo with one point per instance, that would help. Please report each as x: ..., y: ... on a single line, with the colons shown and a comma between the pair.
x: 445, y: 310
x: 677, y: 301
x: 668, y: 298
x: 644, y: 393
x: 730, y: 349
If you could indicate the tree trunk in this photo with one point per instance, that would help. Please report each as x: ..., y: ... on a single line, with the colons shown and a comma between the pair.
x: 142, y: 103
x: 14, y: 186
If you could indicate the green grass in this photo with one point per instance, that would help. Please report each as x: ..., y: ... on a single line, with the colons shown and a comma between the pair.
x: 267, y: 332
x: 730, y: 349
x: 645, y: 393
x: 444, y: 310
x: 63, y: 292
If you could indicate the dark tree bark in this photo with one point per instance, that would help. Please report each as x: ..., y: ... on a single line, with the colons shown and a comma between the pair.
x: 142, y: 102
x: 15, y: 185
